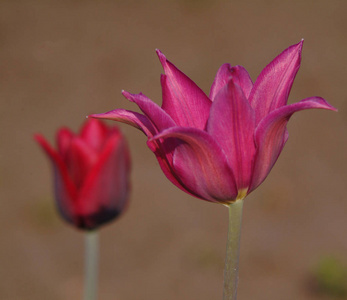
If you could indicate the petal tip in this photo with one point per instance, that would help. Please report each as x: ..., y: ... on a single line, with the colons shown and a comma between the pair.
x: 96, y: 116
x: 161, y: 57
x: 128, y: 95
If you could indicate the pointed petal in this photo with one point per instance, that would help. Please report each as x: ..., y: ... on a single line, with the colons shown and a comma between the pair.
x: 105, y: 192
x: 183, y: 100
x: 64, y: 137
x: 232, y: 124
x: 132, y: 118
x: 94, y: 133
x: 240, y: 77
x: 159, y: 118
x: 272, y: 87
x: 271, y: 135
x: 201, y: 165
x: 80, y: 159
x: 65, y: 190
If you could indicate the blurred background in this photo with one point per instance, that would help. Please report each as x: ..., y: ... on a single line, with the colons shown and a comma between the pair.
x: 62, y: 60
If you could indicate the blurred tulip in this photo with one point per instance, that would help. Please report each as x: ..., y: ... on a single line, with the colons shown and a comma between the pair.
x: 219, y: 148
x: 91, y: 171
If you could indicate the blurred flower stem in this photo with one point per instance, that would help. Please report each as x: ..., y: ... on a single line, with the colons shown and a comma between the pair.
x: 91, y: 264
x: 231, y: 268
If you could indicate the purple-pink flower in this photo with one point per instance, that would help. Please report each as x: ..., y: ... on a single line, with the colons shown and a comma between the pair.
x: 219, y: 147
x: 91, y: 172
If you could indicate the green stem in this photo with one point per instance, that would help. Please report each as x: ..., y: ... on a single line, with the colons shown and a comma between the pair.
x: 231, y: 268
x: 91, y: 265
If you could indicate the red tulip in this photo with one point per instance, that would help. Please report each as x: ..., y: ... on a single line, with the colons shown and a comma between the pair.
x: 219, y: 147
x: 91, y: 171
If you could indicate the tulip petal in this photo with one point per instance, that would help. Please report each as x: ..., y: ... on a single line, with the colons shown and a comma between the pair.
x: 240, y: 77
x: 183, y: 100
x: 94, y: 133
x: 105, y: 191
x: 80, y: 159
x: 232, y: 124
x: 271, y: 135
x: 164, y: 156
x: 64, y: 137
x: 159, y: 118
x: 272, y: 87
x: 65, y: 190
x: 132, y: 118
x: 201, y: 165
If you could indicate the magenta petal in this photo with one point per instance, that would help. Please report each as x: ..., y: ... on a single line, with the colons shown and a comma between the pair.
x: 165, y: 161
x: 201, y: 165
x: 271, y: 135
x: 240, y: 77
x: 232, y: 124
x: 160, y: 119
x: 183, y: 100
x: 65, y: 190
x: 272, y: 87
x: 132, y: 118
x: 105, y: 191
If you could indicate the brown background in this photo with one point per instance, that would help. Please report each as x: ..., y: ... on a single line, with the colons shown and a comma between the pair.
x: 61, y: 60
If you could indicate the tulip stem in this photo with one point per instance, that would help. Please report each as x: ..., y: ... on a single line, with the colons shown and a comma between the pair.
x: 231, y: 268
x: 91, y: 265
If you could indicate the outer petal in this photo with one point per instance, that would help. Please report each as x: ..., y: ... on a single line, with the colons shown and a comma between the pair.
x: 94, y: 133
x: 132, y: 118
x: 232, y: 124
x: 79, y: 160
x: 163, y: 151
x: 65, y: 190
x: 270, y: 136
x: 183, y: 100
x: 272, y: 87
x: 64, y: 137
x: 201, y: 165
x: 160, y: 119
x: 240, y: 77
x: 105, y: 190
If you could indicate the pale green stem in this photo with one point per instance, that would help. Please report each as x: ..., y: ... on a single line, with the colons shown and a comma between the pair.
x: 91, y: 265
x: 231, y: 268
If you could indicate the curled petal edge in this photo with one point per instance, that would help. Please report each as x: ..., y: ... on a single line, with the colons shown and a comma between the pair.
x: 201, y: 165
x: 271, y: 135
x: 132, y: 118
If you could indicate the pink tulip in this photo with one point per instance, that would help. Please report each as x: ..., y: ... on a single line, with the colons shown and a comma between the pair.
x: 91, y: 172
x: 219, y: 147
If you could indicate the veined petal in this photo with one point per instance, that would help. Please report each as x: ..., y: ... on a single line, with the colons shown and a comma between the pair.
x: 232, y: 124
x: 164, y: 156
x: 105, y: 191
x: 132, y: 118
x: 240, y: 77
x: 65, y: 190
x: 159, y: 118
x: 183, y: 100
x: 94, y: 133
x: 272, y: 87
x: 201, y: 165
x: 271, y: 134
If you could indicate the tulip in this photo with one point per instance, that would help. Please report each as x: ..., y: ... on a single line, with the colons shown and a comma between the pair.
x: 91, y: 171
x: 220, y: 147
